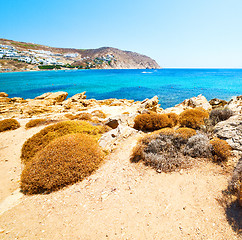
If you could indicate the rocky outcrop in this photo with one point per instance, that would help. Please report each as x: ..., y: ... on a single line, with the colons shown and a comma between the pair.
x: 231, y: 131
x: 235, y: 104
x: 199, y: 101
x: 149, y: 105
x: 109, y: 140
x: 55, y: 97
x: 3, y: 94
x: 217, y: 103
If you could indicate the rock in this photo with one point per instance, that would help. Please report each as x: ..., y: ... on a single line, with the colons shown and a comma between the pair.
x: 149, y: 105
x: 43, y: 96
x: 199, y: 101
x: 3, y: 94
x: 17, y: 100
x: 77, y: 97
x: 231, y: 131
x: 113, y: 123
x: 110, y: 139
x: 55, y: 97
x: 4, y: 99
x: 216, y: 103
x: 235, y: 104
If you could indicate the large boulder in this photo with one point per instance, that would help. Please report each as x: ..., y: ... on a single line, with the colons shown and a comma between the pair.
x: 199, y: 101
x: 235, y: 104
x: 231, y: 131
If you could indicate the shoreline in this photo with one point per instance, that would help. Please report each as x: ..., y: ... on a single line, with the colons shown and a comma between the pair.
x: 163, y: 68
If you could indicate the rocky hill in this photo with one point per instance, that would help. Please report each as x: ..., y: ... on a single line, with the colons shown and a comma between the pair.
x: 18, y: 56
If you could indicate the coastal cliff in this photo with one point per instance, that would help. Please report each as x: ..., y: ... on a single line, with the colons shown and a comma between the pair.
x: 21, y: 56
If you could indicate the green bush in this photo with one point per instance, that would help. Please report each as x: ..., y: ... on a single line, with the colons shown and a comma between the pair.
x: 64, y: 161
x: 9, y: 124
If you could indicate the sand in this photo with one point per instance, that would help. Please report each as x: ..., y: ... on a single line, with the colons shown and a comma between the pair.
x: 121, y: 200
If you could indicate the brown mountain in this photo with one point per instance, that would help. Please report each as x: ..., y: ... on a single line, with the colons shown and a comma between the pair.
x: 101, y: 58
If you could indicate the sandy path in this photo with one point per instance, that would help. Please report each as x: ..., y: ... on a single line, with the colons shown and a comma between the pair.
x: 10, y: 150
x: 126, y: 201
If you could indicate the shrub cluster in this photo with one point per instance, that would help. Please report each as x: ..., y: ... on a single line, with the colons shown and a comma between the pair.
x: 41, y: 139
x: 174, y: 118
x: 65, y: 160
x: 152, y: 121
x: 9, y: 124
x: 221, y: 149
x: 198, y: 146
x: 168, y: 149
x: 193, y: 118
x: 218, y: 115
x: 163, y: 150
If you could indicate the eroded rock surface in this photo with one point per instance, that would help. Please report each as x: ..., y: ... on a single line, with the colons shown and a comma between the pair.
x: 231, y: 131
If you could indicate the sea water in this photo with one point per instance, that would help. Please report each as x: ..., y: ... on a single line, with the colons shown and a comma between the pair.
x: 172, y: 86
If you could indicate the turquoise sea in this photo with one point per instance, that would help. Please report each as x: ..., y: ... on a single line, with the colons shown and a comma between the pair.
x: 172, y: 86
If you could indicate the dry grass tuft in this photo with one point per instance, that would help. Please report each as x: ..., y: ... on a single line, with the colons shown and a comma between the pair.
x: 41, y: 139
x: 80, y: 116
x: 66, y: 160
x: 185, y: 132
x: 99, y: 114
x: 174, y: 118
x: 9, y: 124
x: 193, y: 118
x: 38, y: 122
x: 151, y: 121
x: 221, y: 149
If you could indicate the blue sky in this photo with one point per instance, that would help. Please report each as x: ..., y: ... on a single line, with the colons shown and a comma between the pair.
x: 176, y: 33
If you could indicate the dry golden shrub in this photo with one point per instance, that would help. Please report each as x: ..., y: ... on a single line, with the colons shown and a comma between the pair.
x: 9, y: 124
x: 221, y: 149
x: 151, y: 121
x: 80, y: 116
x: 64, y: 161
x: 35, y: 122
x: 99, y: 114
x: 41, y: 139
x: 193, y: 118
x: 186, y: 132
x: 174, y: 118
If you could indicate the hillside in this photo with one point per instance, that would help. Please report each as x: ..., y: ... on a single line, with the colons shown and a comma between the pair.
x: 36, y: 57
